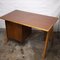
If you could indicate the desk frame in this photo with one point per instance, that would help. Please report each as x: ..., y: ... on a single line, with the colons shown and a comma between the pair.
x: 48, y: 36
x: 42, y: 22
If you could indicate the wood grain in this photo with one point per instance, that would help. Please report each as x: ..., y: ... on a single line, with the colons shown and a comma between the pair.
x: 38, y: 21
x: 17, y: 32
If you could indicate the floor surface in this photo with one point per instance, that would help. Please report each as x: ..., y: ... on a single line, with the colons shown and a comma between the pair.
x: 30, y: 50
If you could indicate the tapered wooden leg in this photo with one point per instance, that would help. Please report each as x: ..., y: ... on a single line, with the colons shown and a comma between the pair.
x: 52, y: 36
x: 46, y: 43
x: 45, y: 48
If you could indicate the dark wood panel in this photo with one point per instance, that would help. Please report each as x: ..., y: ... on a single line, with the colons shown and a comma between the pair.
x: 26, y: 31
x: 16, y: 31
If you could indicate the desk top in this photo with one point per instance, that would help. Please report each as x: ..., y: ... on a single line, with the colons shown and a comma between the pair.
x: 33, y: 20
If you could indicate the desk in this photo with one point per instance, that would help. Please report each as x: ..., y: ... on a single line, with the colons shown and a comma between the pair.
x: 28, y: 20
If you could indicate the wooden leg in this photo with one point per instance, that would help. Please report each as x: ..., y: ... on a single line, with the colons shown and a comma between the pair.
x: 52, y: 36
x: 51, y: 39
x: 45, y: 48
x: 46, y: 43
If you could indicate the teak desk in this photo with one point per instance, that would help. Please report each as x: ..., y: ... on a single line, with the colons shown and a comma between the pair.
x: 19, y: 23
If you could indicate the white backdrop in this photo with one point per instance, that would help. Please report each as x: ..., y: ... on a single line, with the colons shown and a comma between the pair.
x: 45, y: 7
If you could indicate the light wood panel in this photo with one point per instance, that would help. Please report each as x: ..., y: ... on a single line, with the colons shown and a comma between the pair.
x: 38, y: 21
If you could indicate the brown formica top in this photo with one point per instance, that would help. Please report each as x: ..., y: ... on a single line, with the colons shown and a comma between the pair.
x: 33, y: 20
